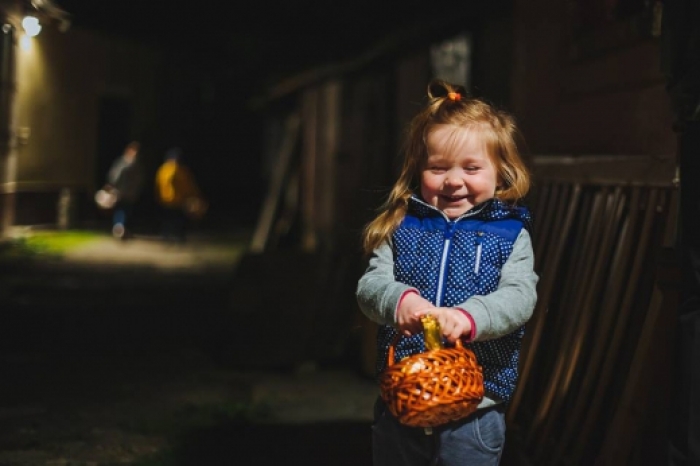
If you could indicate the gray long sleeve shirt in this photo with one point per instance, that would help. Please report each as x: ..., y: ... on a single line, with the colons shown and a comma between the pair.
x: 496, y: 314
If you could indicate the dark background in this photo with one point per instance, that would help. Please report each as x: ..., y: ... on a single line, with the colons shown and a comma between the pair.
x: 234, y: 51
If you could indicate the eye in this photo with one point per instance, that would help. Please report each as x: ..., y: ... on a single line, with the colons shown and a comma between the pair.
x: 436, y: 169
x: 471, y: 168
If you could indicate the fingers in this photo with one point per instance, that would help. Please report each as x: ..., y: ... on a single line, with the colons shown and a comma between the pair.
x: 408, y: 316
x: 409, y: 323
x: 411, y: 326
x: 452, y: 334
x: 453, y: 323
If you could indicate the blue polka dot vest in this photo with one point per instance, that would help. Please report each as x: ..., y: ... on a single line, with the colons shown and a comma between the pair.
x: 450, y: 261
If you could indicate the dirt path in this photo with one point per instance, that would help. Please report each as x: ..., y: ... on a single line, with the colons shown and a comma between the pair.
x: 118, y: 364
x: 156, y: 409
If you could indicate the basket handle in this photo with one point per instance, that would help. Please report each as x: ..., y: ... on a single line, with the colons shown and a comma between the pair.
x: 390, y: 355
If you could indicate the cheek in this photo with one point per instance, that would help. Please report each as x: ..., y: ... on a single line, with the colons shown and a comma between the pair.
x: 427, y: 184
x: 492, y: 180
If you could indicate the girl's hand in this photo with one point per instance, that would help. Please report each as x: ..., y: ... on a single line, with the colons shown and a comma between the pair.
x: 412, y: 307
x: 453, y: 323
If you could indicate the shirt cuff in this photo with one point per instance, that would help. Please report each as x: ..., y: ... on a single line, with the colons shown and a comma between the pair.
x: 472, y: 332
x: 403, y: 295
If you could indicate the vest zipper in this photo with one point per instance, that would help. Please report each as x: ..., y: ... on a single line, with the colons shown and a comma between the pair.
x: 443, y: 262
x: 477, y: 262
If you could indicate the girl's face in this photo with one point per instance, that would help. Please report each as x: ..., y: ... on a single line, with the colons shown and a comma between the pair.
x: 458, y: 173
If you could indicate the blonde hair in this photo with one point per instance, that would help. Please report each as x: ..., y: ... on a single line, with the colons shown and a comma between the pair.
x: 448, y: 104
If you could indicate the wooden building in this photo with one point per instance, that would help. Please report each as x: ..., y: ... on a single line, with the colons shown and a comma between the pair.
x: 584, y: 81
x: 70, y: 101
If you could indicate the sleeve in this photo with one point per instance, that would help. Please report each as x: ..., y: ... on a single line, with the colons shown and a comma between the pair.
x: 114, y: 173
x: 378, y: 293
x: 512, y: 304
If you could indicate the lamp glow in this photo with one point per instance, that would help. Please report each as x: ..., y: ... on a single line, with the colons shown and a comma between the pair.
x: 31, y: 26
x: 25, y: 42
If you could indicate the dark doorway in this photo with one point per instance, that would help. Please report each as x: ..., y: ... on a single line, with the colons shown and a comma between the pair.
x: 112, y: 133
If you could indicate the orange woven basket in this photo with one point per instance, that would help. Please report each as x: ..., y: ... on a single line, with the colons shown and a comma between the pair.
x: 434, y: 387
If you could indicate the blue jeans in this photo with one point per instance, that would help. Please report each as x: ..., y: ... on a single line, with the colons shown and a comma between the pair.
x: 477, y: 440
x: 123, y: 212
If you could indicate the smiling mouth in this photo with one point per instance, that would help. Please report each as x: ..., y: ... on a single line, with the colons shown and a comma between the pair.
x: 454, y: 198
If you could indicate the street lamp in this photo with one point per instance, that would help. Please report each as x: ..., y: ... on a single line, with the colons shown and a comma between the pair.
x: 31, y: 26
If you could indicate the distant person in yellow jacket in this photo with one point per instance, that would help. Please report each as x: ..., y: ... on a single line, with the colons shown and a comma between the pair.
x: 179, y: 196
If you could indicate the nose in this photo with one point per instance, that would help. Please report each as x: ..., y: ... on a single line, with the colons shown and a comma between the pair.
x: 453, y: 179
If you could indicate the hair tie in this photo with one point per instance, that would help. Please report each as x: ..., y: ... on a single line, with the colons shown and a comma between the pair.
x: 454, y: 96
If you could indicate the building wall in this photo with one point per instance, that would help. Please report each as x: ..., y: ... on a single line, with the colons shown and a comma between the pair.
x: 60, y: 80
x: 58, y: 83
x: 596, y: 91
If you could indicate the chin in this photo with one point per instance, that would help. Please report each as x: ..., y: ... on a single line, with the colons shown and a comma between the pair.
x: 454, y: 213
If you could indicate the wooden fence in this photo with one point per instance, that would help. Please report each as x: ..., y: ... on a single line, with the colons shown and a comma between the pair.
x: 595, y: 378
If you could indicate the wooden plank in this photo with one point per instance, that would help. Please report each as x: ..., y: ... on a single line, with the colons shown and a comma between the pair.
x: 608, y: 170
x: 616, y: 285
x: 328, y: 140
x: 563, y: 287
x: 531, y: 342
x: 605, y: 375
x: 638, y: 396
x: 611, y: 219
x: 309, y: 157
x: 568, y: 321
x: 545, y: 217
x: 545, y: 379
x: 265, y: 221
x: 287, y: 213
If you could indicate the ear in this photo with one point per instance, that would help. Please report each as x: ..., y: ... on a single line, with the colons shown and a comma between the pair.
x: 500, y: 183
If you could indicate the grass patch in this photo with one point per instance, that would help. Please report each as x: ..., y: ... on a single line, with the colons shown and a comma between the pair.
x: 52, y: 244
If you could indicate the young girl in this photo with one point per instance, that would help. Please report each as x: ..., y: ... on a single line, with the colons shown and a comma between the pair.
x: 452, y: 241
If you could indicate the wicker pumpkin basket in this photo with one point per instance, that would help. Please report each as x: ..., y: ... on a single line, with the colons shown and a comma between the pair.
x: 434, y: 387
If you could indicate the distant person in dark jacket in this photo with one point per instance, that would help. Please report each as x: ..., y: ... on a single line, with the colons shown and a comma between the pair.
x: 125, y: 180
